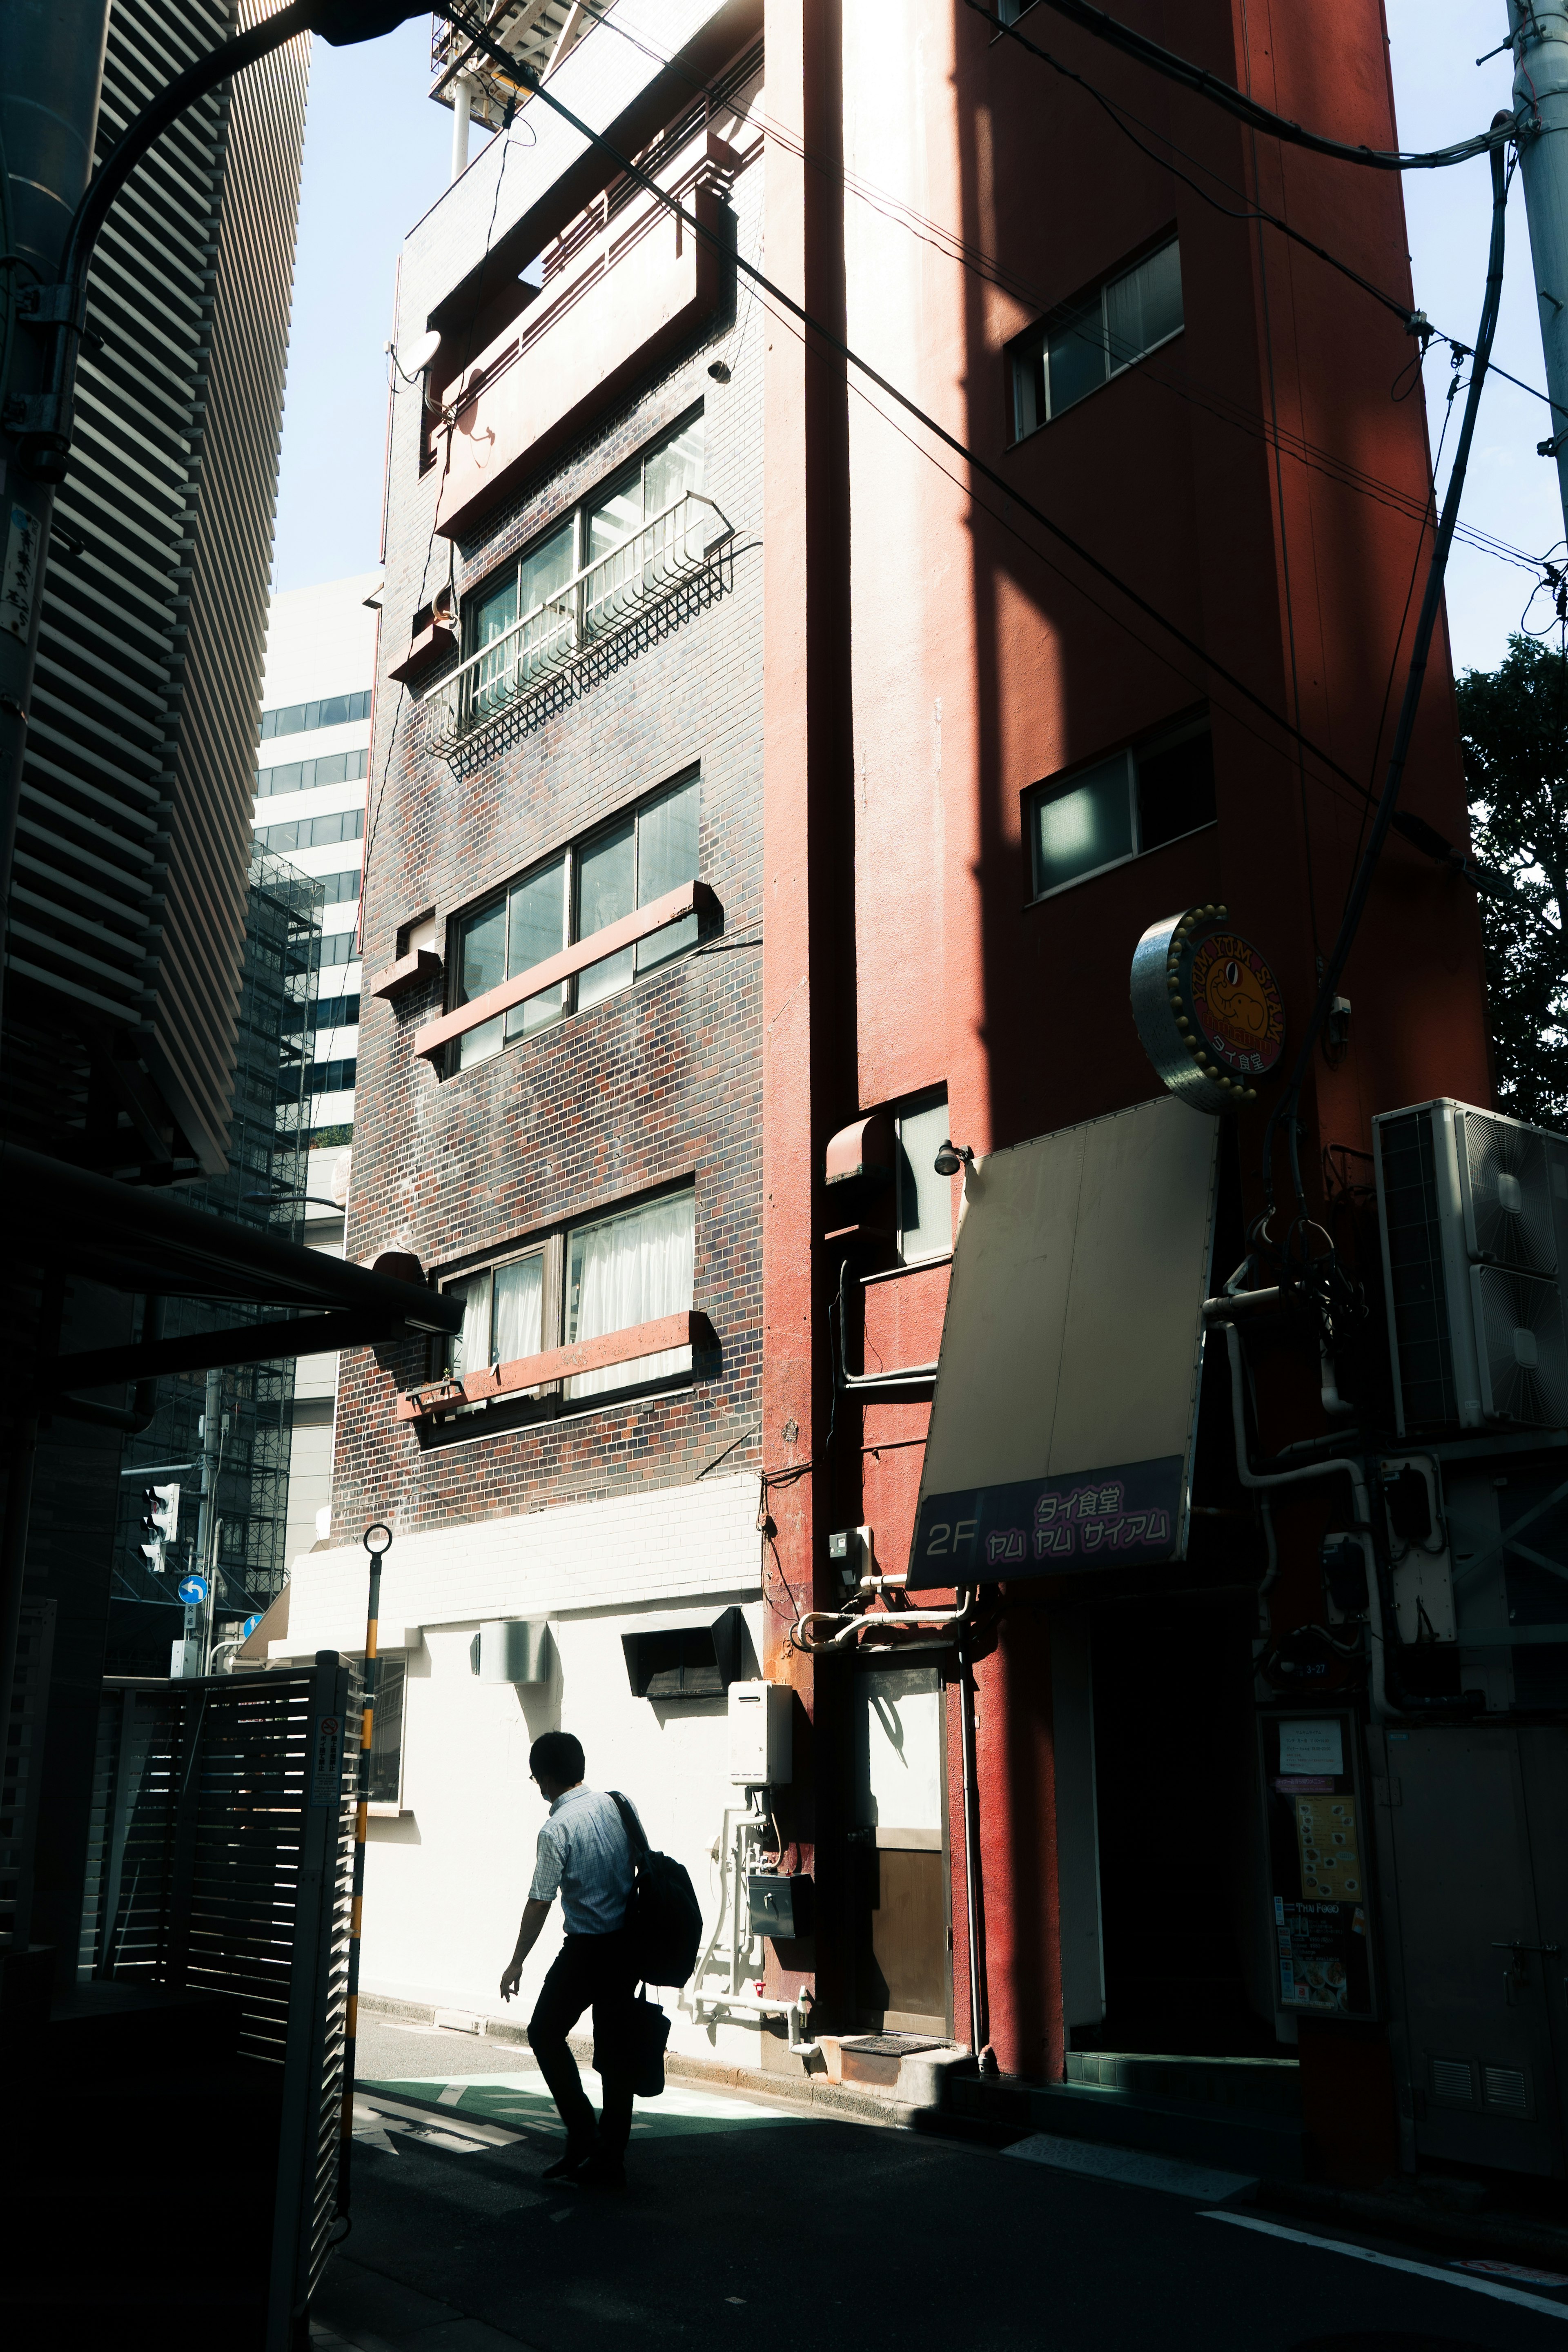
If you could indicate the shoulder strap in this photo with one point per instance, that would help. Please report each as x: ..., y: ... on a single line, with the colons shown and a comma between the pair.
x: 632, y: 1828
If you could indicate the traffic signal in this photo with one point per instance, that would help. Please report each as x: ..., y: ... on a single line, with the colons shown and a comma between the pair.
x: 159, y: 1523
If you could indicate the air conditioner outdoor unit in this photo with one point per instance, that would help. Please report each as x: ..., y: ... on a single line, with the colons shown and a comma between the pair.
x: 1474, y: 1214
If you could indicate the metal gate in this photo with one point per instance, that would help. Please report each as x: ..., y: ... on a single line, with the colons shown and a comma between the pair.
x: 222, y: 1861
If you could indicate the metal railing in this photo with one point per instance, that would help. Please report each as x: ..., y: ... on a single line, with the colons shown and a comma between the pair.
x: 588, y: 610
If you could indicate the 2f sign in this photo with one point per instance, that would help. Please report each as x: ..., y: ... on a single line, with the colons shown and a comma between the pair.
x: 960, y: 1531
x: 20, y: 582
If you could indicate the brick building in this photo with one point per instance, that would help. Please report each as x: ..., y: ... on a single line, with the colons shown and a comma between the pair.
x: 775, y: 809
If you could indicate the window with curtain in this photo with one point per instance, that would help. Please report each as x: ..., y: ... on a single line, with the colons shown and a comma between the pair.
x: 629, y: 1269
x: 503, y: 1314
x: 1086, y: 342
x: 628, y: 864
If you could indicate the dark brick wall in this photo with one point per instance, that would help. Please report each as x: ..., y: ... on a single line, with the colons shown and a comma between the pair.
x: 661, y: 1082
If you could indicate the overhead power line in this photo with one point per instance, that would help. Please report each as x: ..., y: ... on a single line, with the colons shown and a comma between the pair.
x: 835, y: 342
x: 1224, y: 94
x: 992, y: 271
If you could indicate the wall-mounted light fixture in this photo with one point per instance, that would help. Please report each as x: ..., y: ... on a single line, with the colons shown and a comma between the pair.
x: 953, y: 1156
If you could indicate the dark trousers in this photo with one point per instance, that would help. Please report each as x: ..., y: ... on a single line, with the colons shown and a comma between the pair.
x: 597, y: 1970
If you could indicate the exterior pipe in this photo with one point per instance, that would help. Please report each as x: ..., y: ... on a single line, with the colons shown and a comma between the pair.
x: 1264, y: 1481
x: 977, y: 2000
x: 849, y: 1627
x: 1408, y: 1703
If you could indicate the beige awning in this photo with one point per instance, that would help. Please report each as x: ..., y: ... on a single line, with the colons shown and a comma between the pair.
x: 1062, y: 1426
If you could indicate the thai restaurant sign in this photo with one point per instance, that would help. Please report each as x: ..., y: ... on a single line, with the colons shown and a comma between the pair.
x: 1062, y: 1426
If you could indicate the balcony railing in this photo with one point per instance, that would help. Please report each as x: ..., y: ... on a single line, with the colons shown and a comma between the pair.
x: 606, y: 596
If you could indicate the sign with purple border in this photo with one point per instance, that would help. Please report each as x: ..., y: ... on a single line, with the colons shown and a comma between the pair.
x: 1126, y: 1516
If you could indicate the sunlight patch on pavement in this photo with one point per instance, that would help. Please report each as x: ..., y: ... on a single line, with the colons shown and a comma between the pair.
x: 517, y: 2098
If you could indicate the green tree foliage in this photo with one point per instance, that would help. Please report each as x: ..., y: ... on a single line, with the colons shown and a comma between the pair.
x: 1513, y: 721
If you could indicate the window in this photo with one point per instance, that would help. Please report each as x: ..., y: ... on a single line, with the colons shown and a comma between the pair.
x: 336, y: 889
x: 586, y: 574
x: 1011, y: 10
x: 503, y: 1313
x: 625, y: 866
x: 313, y: 832
x: 338, y: 947
x: 334, y: 1012
x: 627, y: 1270
x: 925, y: 1199
x: 330, y: 1078
x: 302, y: 717
x: 384, y: 1789
x: 1082, y: 345
x: 1134, y: 801
x: 304, y: 775
x: 585, y: 1281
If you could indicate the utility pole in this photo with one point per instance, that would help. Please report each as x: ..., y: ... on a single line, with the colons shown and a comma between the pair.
x: 190, y: 1653
x: 1539, y: 30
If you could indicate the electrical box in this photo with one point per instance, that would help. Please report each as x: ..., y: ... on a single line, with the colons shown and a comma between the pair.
x: 1421, y: 1564
x: 1474, y: 1216
x: 779, y: 1907
x: 759, y: 1740
x: 854, y: 1554
x: 513, y: 1650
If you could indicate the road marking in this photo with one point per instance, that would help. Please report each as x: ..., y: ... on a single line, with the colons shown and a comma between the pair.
x: 1202, y: 2183
x: 1395, y: 2262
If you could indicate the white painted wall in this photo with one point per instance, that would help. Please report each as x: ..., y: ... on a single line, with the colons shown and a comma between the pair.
x: 446, y: 1882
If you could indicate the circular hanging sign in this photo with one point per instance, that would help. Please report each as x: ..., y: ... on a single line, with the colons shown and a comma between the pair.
x: 191, y: 1589
x: 1208, y: 1009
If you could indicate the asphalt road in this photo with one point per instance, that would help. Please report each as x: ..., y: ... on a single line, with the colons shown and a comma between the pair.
x: 746, y: 2223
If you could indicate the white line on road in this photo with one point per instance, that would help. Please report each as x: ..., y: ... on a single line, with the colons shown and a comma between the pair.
x: 1395, y: 2262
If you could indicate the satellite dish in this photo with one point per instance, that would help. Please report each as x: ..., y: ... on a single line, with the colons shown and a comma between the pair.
x: 419, y: 354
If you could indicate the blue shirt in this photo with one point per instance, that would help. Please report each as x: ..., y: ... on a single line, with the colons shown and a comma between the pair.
x: 584, y: 1853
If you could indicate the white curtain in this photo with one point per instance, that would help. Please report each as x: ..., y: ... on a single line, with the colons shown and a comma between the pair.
x: 627, y: 1271
x: 519, y: 1296
x: 471, y: 1348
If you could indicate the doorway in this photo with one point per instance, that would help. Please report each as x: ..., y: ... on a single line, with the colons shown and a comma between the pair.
x: 902, y: 1968
x: 1181, y: 1862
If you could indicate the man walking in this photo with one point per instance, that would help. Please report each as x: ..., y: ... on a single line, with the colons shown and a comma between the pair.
x: 584, y: 1853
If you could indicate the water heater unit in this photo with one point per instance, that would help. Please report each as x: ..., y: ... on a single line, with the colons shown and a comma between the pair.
x: 1474, y: 1215
x: 760, y: 1741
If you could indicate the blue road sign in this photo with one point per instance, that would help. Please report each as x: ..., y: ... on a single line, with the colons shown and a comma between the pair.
x: 191, y: 1589
x: 249, y: 1627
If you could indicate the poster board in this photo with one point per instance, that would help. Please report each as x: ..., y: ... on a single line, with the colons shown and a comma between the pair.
x: 1319, y: 1844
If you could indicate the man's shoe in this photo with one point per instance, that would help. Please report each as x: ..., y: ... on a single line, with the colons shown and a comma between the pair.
x: 569, y: 2166
x: 602, y: 2172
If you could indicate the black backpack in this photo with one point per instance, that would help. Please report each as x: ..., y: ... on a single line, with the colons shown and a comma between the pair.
x: 662, y: 1912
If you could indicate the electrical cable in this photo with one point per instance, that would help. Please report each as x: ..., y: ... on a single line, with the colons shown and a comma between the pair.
x: 991, y: 271
x: 814, y: 327
x: 1232, y: 100
x: 1284, y: 1111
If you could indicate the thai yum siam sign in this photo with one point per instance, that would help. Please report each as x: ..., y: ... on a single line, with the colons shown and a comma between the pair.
x: 1208, y: 1009
x: 1045, y: 1527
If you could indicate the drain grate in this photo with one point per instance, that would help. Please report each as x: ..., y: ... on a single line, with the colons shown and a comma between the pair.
x: 895, y: 2045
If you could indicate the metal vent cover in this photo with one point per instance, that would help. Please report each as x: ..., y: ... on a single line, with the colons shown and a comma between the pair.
x: 1453, y: 2081
x: 1506, y: 2087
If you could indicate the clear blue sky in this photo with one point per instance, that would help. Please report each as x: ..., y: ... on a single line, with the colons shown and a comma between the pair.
x: 376, y: 154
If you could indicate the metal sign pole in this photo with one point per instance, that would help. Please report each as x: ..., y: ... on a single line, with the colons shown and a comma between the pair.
x: 362, y: 1818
